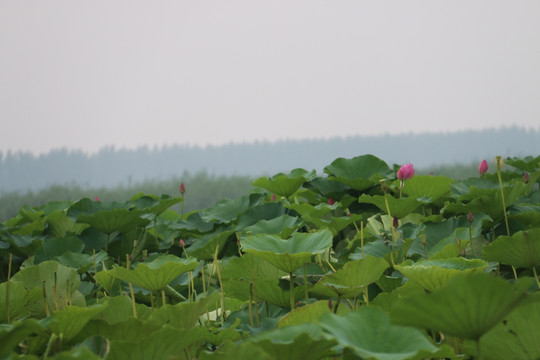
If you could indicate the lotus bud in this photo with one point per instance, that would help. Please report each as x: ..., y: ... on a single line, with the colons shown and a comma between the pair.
x: 96, y: 198
x: 330, y: 305
x: 331, y: 201
x: 499, y: 160
x: 470, y: 217
x: 483, y: 167
x: 395, y: 222
x: 405, y: 172
x: 273, y: 197
x: 182, y: 188
x: 182, y: 243
x: 526, y: 177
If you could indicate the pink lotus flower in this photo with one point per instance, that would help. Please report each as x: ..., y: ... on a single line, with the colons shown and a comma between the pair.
x: 182, y: 188
x: 405, y: 172
x: 96, y: 198
x: 483, y: 167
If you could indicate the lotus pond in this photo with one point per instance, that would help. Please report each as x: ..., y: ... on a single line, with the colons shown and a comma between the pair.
x: 365, y: 261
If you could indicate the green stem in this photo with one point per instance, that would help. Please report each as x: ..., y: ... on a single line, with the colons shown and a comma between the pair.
x: 291, y: 290
x: 478, y: 350
x: 306, y: 285
x: 503, y: 201
x: 536, y: 277
x: 8, y: 285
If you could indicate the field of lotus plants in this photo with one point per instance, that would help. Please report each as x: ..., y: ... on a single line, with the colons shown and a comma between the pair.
x: 366, y: 261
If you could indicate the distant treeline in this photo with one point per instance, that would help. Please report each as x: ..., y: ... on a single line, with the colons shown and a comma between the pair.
x: 203, y: 190
x: 112, y: 167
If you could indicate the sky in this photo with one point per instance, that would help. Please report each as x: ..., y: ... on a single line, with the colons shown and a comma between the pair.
x: 88, y: 74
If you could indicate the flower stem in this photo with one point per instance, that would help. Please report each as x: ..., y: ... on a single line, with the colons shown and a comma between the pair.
x: 291, y: 290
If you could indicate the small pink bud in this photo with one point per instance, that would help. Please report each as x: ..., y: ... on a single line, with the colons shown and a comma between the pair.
x: 273, y: 197
x: 405, y: 172
x: 182, y: 188
x: 96, y: 198
x: 396, y: 222
x: 470, y: 217
x: 483, y: 167
x: 331, y: 201
x: 526, y: 177
x: 182, y: 243
x: 330, y: 305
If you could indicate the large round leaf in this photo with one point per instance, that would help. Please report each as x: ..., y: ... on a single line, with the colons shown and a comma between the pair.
x: 398, y: 207
x: 369, y: 334
x: 285, y: 184
x: 109, y: 221
x: 520, y: 250
x: 351, y: 280
x: 288, y: 255
x: 433, y: 187
x: 359, y: 173
x: 434, y: 274
x: 155, y: 275
x: 468, y: 306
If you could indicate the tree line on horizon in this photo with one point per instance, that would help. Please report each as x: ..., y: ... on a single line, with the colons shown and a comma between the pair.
x: 110, y: 167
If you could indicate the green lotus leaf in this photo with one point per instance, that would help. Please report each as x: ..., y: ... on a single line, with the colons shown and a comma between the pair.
x: 155, y: 275
x: 81, y: 262
x: 59, y: 224
x: 308, y: 314
x: 398, y: 207
x: 256, y: 213
x: 204, y: 247
x: 165, y: 343
x: 351, y: 279
x: 17, y: 301
x: 468, y: 306
x: 304, y: 341
x: 82, y: 353
x: 109, y: 221
x: 434, y: 274
x: 283, y: 226
x: 285, y: 184
x: 53, y: 247
x: 226, y: 210
x: 520, y: 250
x: 61, y: 283
x: 434, y: 187
x: 528, y: 163
x: 129, y: 329
x: 234, y: 351
x: 71, y: 320
x: 273, y: 291
x: 13, y: 334
x: 183, y: 315
x: 250, y: 267
x: 359, y: 173
x: 154, y: 204
x: 288, y: 255
x: 516, y: 337
x: 369, y: 334
x: 118, y: 309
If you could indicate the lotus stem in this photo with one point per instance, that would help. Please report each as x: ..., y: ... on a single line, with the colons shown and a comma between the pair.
x: 536, y: 277
x: 499, y: 165
x: 216, y: 262
x: 54, y: 291
x: 8, y: 286
x: 163, y: 297
x: 291, y: 290
x: 131, y: 290
x: 337, y: 304
x: 306, y: 285
x: 45, y: 298
x: 478, y: 350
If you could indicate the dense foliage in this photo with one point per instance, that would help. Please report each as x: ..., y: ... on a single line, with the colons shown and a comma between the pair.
x: 358, y: 263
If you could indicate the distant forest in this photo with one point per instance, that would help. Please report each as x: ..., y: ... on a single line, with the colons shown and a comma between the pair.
x: 111, y: 167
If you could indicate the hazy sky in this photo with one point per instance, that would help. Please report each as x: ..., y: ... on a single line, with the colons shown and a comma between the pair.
x: 86, y: 74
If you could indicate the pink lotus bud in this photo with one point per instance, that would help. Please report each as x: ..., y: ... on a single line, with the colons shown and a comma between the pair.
x: 483, y: 167
x: 273, y: 197
x: 405, y: 172
x: 470, y: 217
x: 331, y: 201
x: 526, y: 177
x: 396, y: 222
x: 330, y: 305
x: 182, y: 188
x: 182, y: 243
x: 96, y: 198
